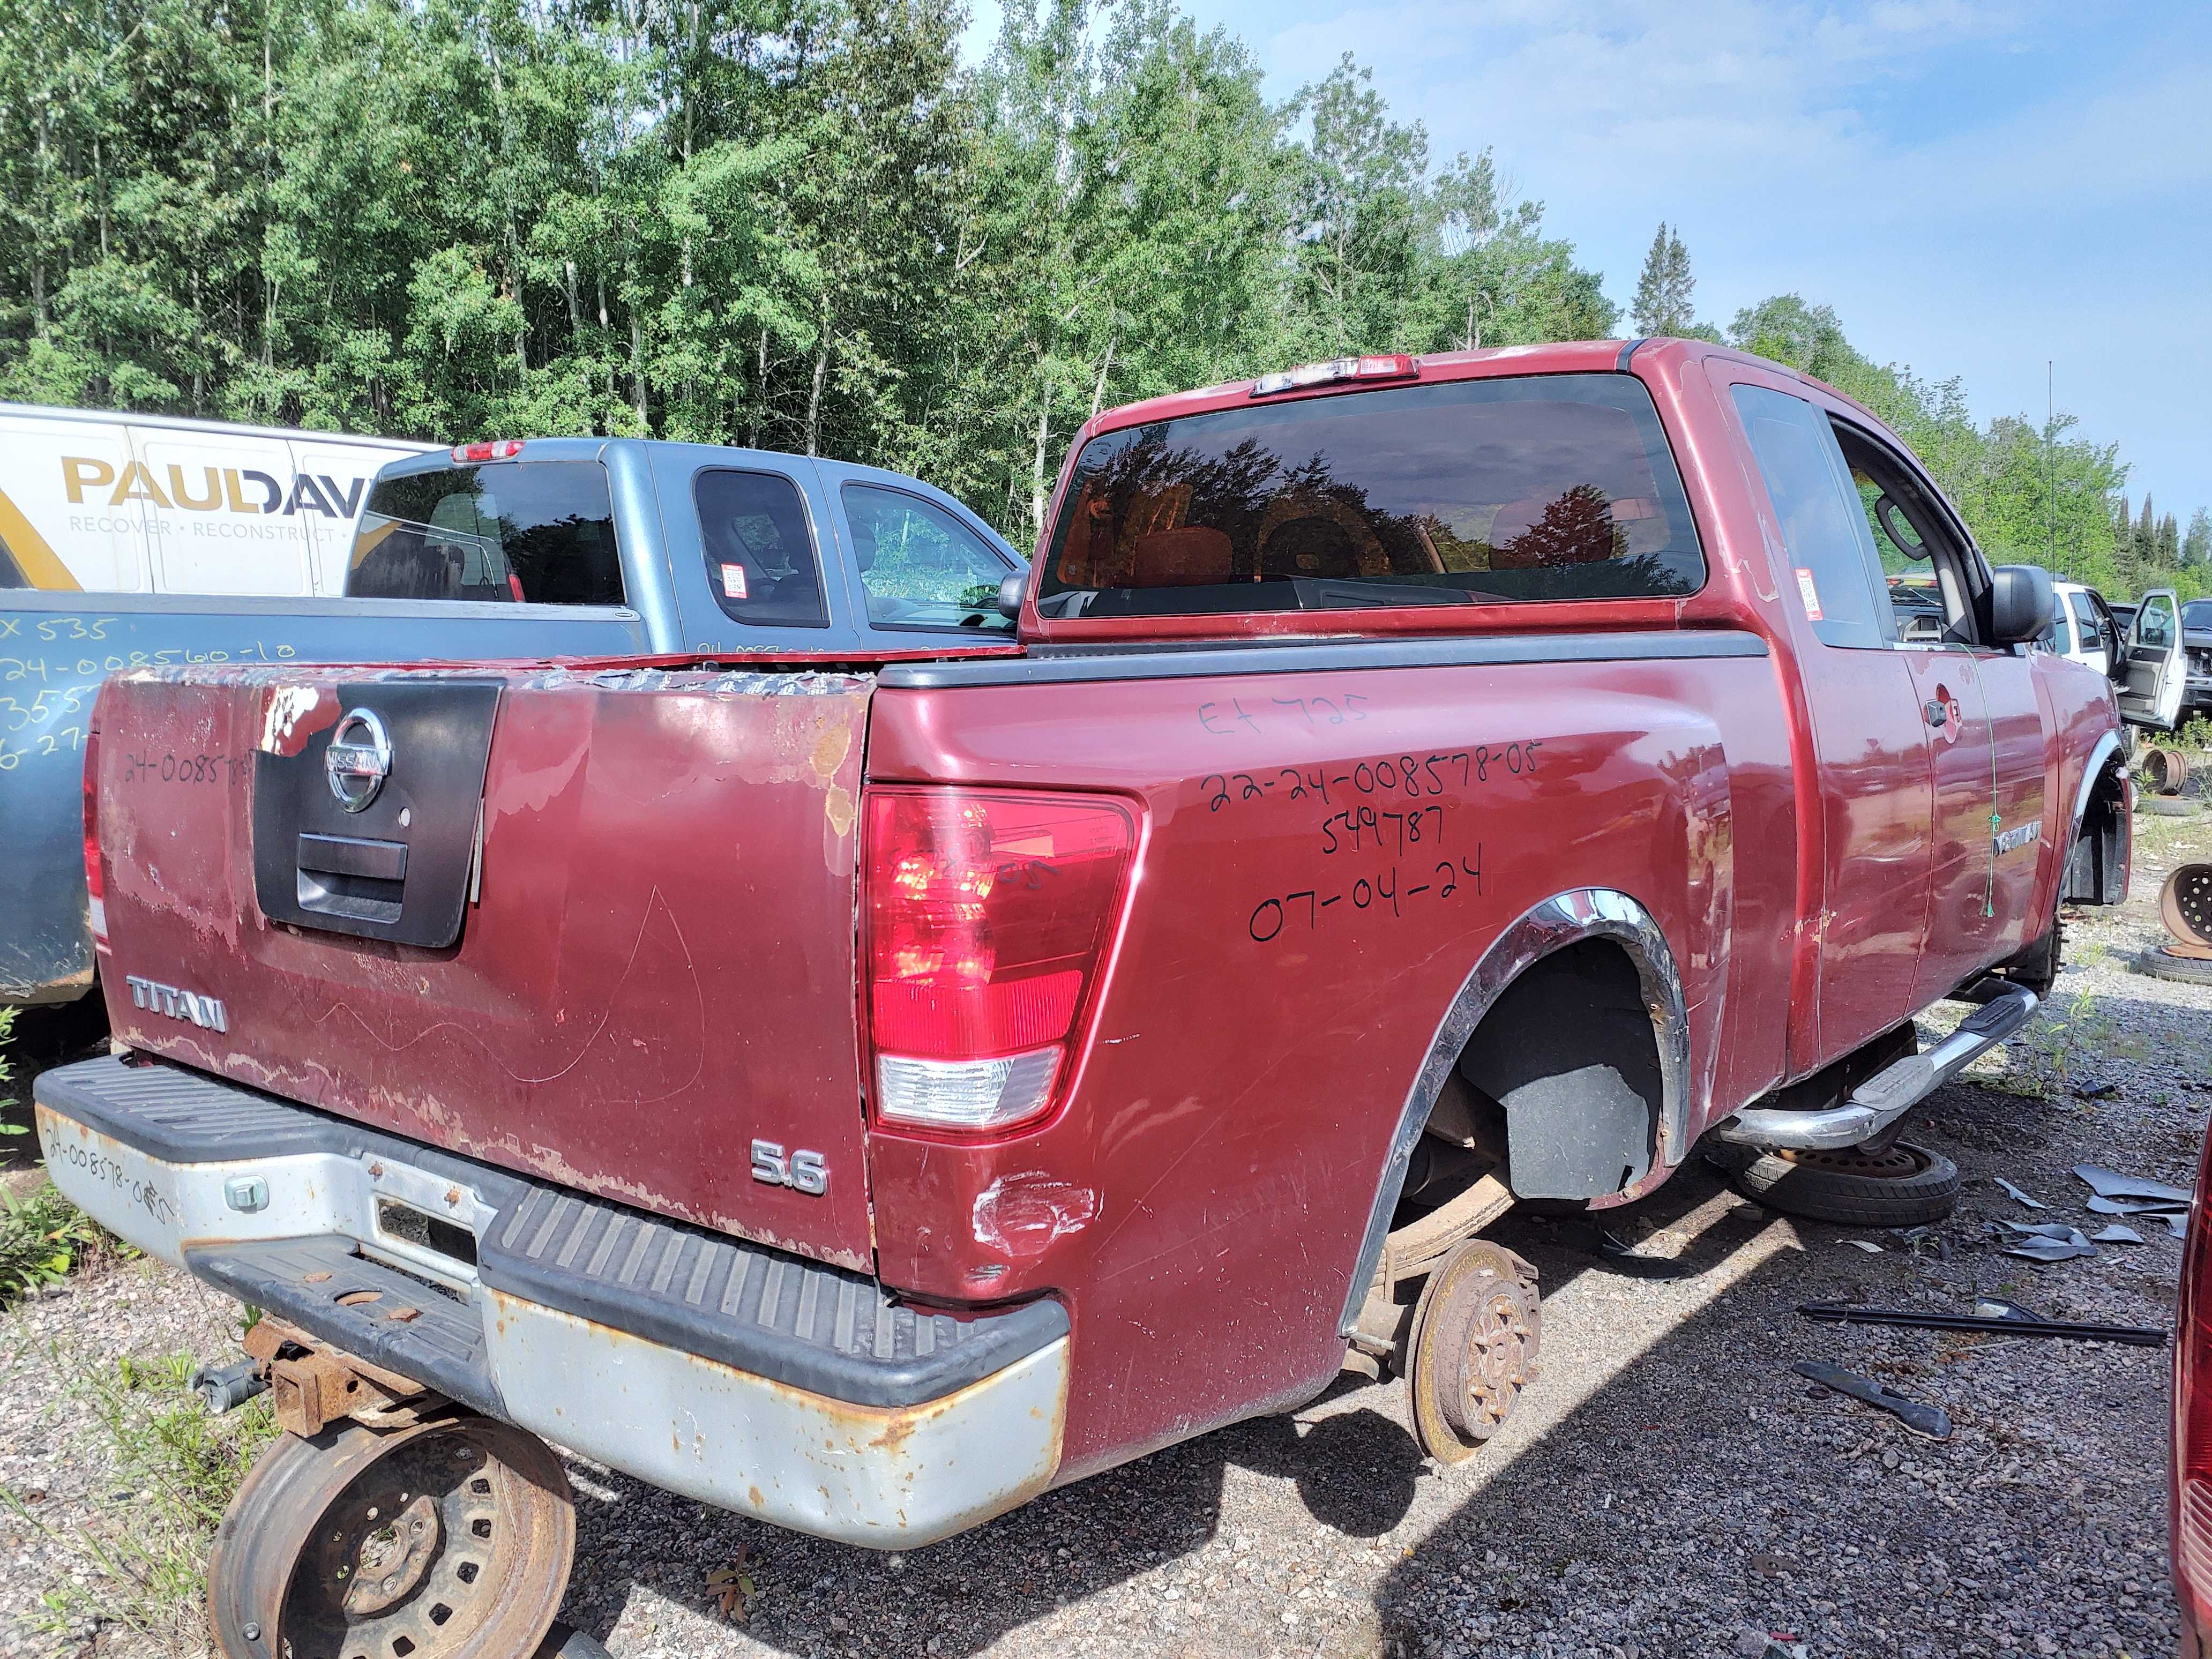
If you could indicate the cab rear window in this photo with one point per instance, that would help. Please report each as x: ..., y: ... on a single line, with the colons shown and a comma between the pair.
x: 539, y: 533
x: 1480, y: 492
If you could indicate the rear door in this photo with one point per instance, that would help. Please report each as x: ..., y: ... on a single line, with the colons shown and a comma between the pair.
x: 599, y: 928
x: 753, y: 564
x: 1868, y: 729
x: 226, y: 514
x: 2157, y: 664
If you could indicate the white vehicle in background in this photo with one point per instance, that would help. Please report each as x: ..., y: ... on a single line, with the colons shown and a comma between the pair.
x: 2084, y: 627
x: 149, y: 504
x: 2153, y: 681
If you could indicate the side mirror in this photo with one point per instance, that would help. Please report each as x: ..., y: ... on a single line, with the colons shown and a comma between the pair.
x: 1010, y: 593
x: 2021, y: 604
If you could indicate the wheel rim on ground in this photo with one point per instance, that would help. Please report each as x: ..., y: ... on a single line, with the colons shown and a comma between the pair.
x: 1477, y: 1330
x: 1896, y: 1161
x: 2184, y: 905
x: 450, y: 1540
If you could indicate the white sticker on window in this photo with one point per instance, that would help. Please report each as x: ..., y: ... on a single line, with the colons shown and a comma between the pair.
x: 733, y: 581
x: 1809, y: 593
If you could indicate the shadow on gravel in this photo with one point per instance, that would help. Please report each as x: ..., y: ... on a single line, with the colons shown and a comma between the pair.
x: 1356, y: 1471
x: 1700, y: 1491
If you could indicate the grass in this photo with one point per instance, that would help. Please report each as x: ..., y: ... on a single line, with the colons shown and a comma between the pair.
x: 168, y: 1467
x: 43, y: 1236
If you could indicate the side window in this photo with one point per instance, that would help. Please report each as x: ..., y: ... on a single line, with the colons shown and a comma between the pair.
x: 760, y: 550
x: 2154, y: 623
x: 1835, y: 572
x: 1923, y: 561
x: 920, y: 567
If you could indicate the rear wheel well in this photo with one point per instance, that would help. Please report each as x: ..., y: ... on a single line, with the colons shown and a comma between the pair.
x: 1563, y: 1075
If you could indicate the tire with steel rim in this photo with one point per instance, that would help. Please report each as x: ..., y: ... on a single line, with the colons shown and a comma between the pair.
x: 447, y: 1540
x: 1477, y: 1330
x: 2160, y: 962
x: 1899, y: 1185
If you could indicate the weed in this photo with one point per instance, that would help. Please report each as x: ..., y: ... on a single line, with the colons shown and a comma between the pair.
x: 43, y: 1235
x: 2064, y: 1034
x: 172, y: 1466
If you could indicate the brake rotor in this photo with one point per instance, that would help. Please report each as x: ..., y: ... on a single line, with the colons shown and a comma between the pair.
x: 449, y: 1540
x: 2184, y: 905
x: 1477, y: 1330
x: 1898, y: 1161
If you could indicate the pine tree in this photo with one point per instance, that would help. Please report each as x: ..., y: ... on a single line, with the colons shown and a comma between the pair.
x: 2169, y: 543
x: 2197, y: 545
x: 2124, y: 561
x: 1664, y: 288
x: 2144, y: 538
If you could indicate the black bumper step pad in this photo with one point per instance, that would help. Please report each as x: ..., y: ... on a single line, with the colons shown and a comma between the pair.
x: 819, y: 1328
x: 825, y: 1329
x: 373, y: 1312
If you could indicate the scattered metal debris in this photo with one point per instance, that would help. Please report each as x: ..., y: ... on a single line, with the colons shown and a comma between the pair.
x: 2031, y: 1203
x: 1990, y: 1312
x: 2100, y: 1091
x: 2038, y: 1248
x: 2111, y: 1183
x: 1932, y: 1421
x: 1868, y: 1245
x: 2064, y: 1232
x: 2129, y: 1206
x: 1625, y: 1260
x: 2117, y: 1233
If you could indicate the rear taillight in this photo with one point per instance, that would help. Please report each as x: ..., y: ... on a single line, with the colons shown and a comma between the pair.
x: 2192, y: 1422
x: 95, y: 872
x: 990, y: 917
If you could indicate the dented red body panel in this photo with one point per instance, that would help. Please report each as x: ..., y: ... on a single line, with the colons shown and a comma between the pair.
x: 662, y: 967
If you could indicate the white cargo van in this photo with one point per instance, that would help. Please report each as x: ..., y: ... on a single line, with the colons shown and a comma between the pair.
x: 159, y: 504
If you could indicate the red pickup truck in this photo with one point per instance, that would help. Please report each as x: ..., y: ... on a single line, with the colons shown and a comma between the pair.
x: 851, y: 1090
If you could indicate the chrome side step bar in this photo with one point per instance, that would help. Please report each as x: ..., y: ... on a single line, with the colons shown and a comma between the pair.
x: 1888, y: 1095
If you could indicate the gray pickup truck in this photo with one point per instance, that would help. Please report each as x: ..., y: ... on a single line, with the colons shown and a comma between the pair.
x: 504, y: 551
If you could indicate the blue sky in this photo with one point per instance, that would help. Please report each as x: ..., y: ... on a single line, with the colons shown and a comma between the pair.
x: 1976, y: 189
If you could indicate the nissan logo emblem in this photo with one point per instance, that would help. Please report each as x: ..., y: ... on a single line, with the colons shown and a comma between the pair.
x: 359, y: 759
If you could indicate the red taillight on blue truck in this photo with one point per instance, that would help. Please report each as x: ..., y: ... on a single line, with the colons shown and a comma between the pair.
x: 991, y: 915
x: 96, y: 870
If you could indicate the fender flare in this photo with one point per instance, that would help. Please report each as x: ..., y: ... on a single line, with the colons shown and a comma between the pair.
x: 2106, y: 746
x: 1546, y: 927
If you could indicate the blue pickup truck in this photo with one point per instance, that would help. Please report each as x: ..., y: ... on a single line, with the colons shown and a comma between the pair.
x: 502, y: 551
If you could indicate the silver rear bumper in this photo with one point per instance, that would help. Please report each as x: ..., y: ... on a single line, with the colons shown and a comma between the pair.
x: 294, y: 1228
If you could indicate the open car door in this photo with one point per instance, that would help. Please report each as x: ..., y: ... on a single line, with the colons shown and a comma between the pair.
x: 2157, y: 666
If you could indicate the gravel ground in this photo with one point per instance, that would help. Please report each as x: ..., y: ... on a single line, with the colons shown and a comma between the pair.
x: 1669, y: 1487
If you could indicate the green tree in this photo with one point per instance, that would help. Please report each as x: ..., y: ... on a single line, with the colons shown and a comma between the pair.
x: 1664, y: 289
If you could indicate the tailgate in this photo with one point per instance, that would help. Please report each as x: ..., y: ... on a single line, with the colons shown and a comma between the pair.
x: 596, y: 927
